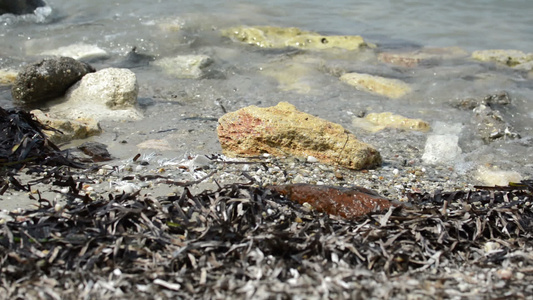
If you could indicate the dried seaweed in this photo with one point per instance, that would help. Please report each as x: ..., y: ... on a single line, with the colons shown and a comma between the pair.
x: 23, y: 142
x: 243, y: 241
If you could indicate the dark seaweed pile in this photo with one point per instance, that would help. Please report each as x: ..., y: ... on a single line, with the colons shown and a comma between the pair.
x: 243, y: 241
x: 23, y: 142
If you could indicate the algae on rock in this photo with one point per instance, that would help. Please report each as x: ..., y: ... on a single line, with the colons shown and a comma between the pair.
x: 281, y: 37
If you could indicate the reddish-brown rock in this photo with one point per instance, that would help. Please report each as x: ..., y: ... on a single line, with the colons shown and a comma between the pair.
x: 282, y: 130
x: 345, y: 202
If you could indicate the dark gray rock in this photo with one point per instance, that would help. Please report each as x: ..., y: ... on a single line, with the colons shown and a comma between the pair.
x: 19, y: 7
x: 48, y: 79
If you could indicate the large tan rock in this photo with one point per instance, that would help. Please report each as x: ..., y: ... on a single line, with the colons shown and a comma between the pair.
x: 282, y: 130
x: 70, y: 129
x: 511, y: 58
x: 378, y: 121
x: 281, y: 37
x: 392, y: 88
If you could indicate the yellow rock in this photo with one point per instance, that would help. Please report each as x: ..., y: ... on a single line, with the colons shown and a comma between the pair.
x: 392, y: 88
x: 296, y: 74
x: 281, y: 37
x: 7, y: 76
x: 282, y: 130
x: 70, y: 129
x: 390, y: 120
x: 510, y: 58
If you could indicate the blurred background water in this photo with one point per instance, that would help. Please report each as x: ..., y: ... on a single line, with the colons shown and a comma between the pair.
x: 118, y: 26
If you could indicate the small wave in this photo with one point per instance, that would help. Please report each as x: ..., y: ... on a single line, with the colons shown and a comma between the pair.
x: 40, y: 15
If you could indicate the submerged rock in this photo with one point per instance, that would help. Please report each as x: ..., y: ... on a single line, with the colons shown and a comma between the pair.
x: 281, y: 37
x: 68, y: 129
x: 392, y: 88
x: 424, y: 55
x: 48, y: 79
x: 379, y: 121
x: 295, y: 74
x: 20, y: 7
x: 283, y: 130
x: 511, y: 58
x: 78, y: 51
x: 7, y: 76
x: 491, y: 125
x: 184, y: 66
x: 107, y: 94
x: 345, y: 202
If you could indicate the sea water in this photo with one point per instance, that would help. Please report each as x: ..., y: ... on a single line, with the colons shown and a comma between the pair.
x: 171, y: 104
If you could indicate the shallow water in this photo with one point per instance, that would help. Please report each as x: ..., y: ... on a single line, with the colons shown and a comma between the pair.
x: 184, y: 111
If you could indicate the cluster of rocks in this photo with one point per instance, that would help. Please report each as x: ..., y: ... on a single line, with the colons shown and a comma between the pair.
x: 77, y: 97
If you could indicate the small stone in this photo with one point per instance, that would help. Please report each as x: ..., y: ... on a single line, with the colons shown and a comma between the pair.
x: 505, y: 274
x: 184, y: 66
x: 312, y: 159
x: 392, y: 88
x: 389, y: 120
x: 283, y: 130
x: 345, y: 202
x: 69, y: 130
x: 78, y: 51
x: 497, y: 177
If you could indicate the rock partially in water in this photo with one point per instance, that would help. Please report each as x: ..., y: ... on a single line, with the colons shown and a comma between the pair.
x: 392, y: 88
x: 491, y: 125
x: 68, y: 129
x: 281, y: 37
x: 8, y: 76
x: 79, y: 51
x: 20, y: 7
x: 441, y: 149
x: 48, y: 79
x: 345, y: 202
x: 493, y: 176
x: 378, y: 121
x: 107, y: 94
x: 425, y: 55
x: 294, y: 74
x: 185, y: 66
x: 282, y: 130
x: 511, y: 58
x: 97, y: 151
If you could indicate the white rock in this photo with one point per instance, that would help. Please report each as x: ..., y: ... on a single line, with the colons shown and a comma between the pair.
x: 184, y: 66
x: 441, y: 148
x: 312, y: 159
x: 78, y: 51
x: 494, y: 176
x: 107, y: 94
